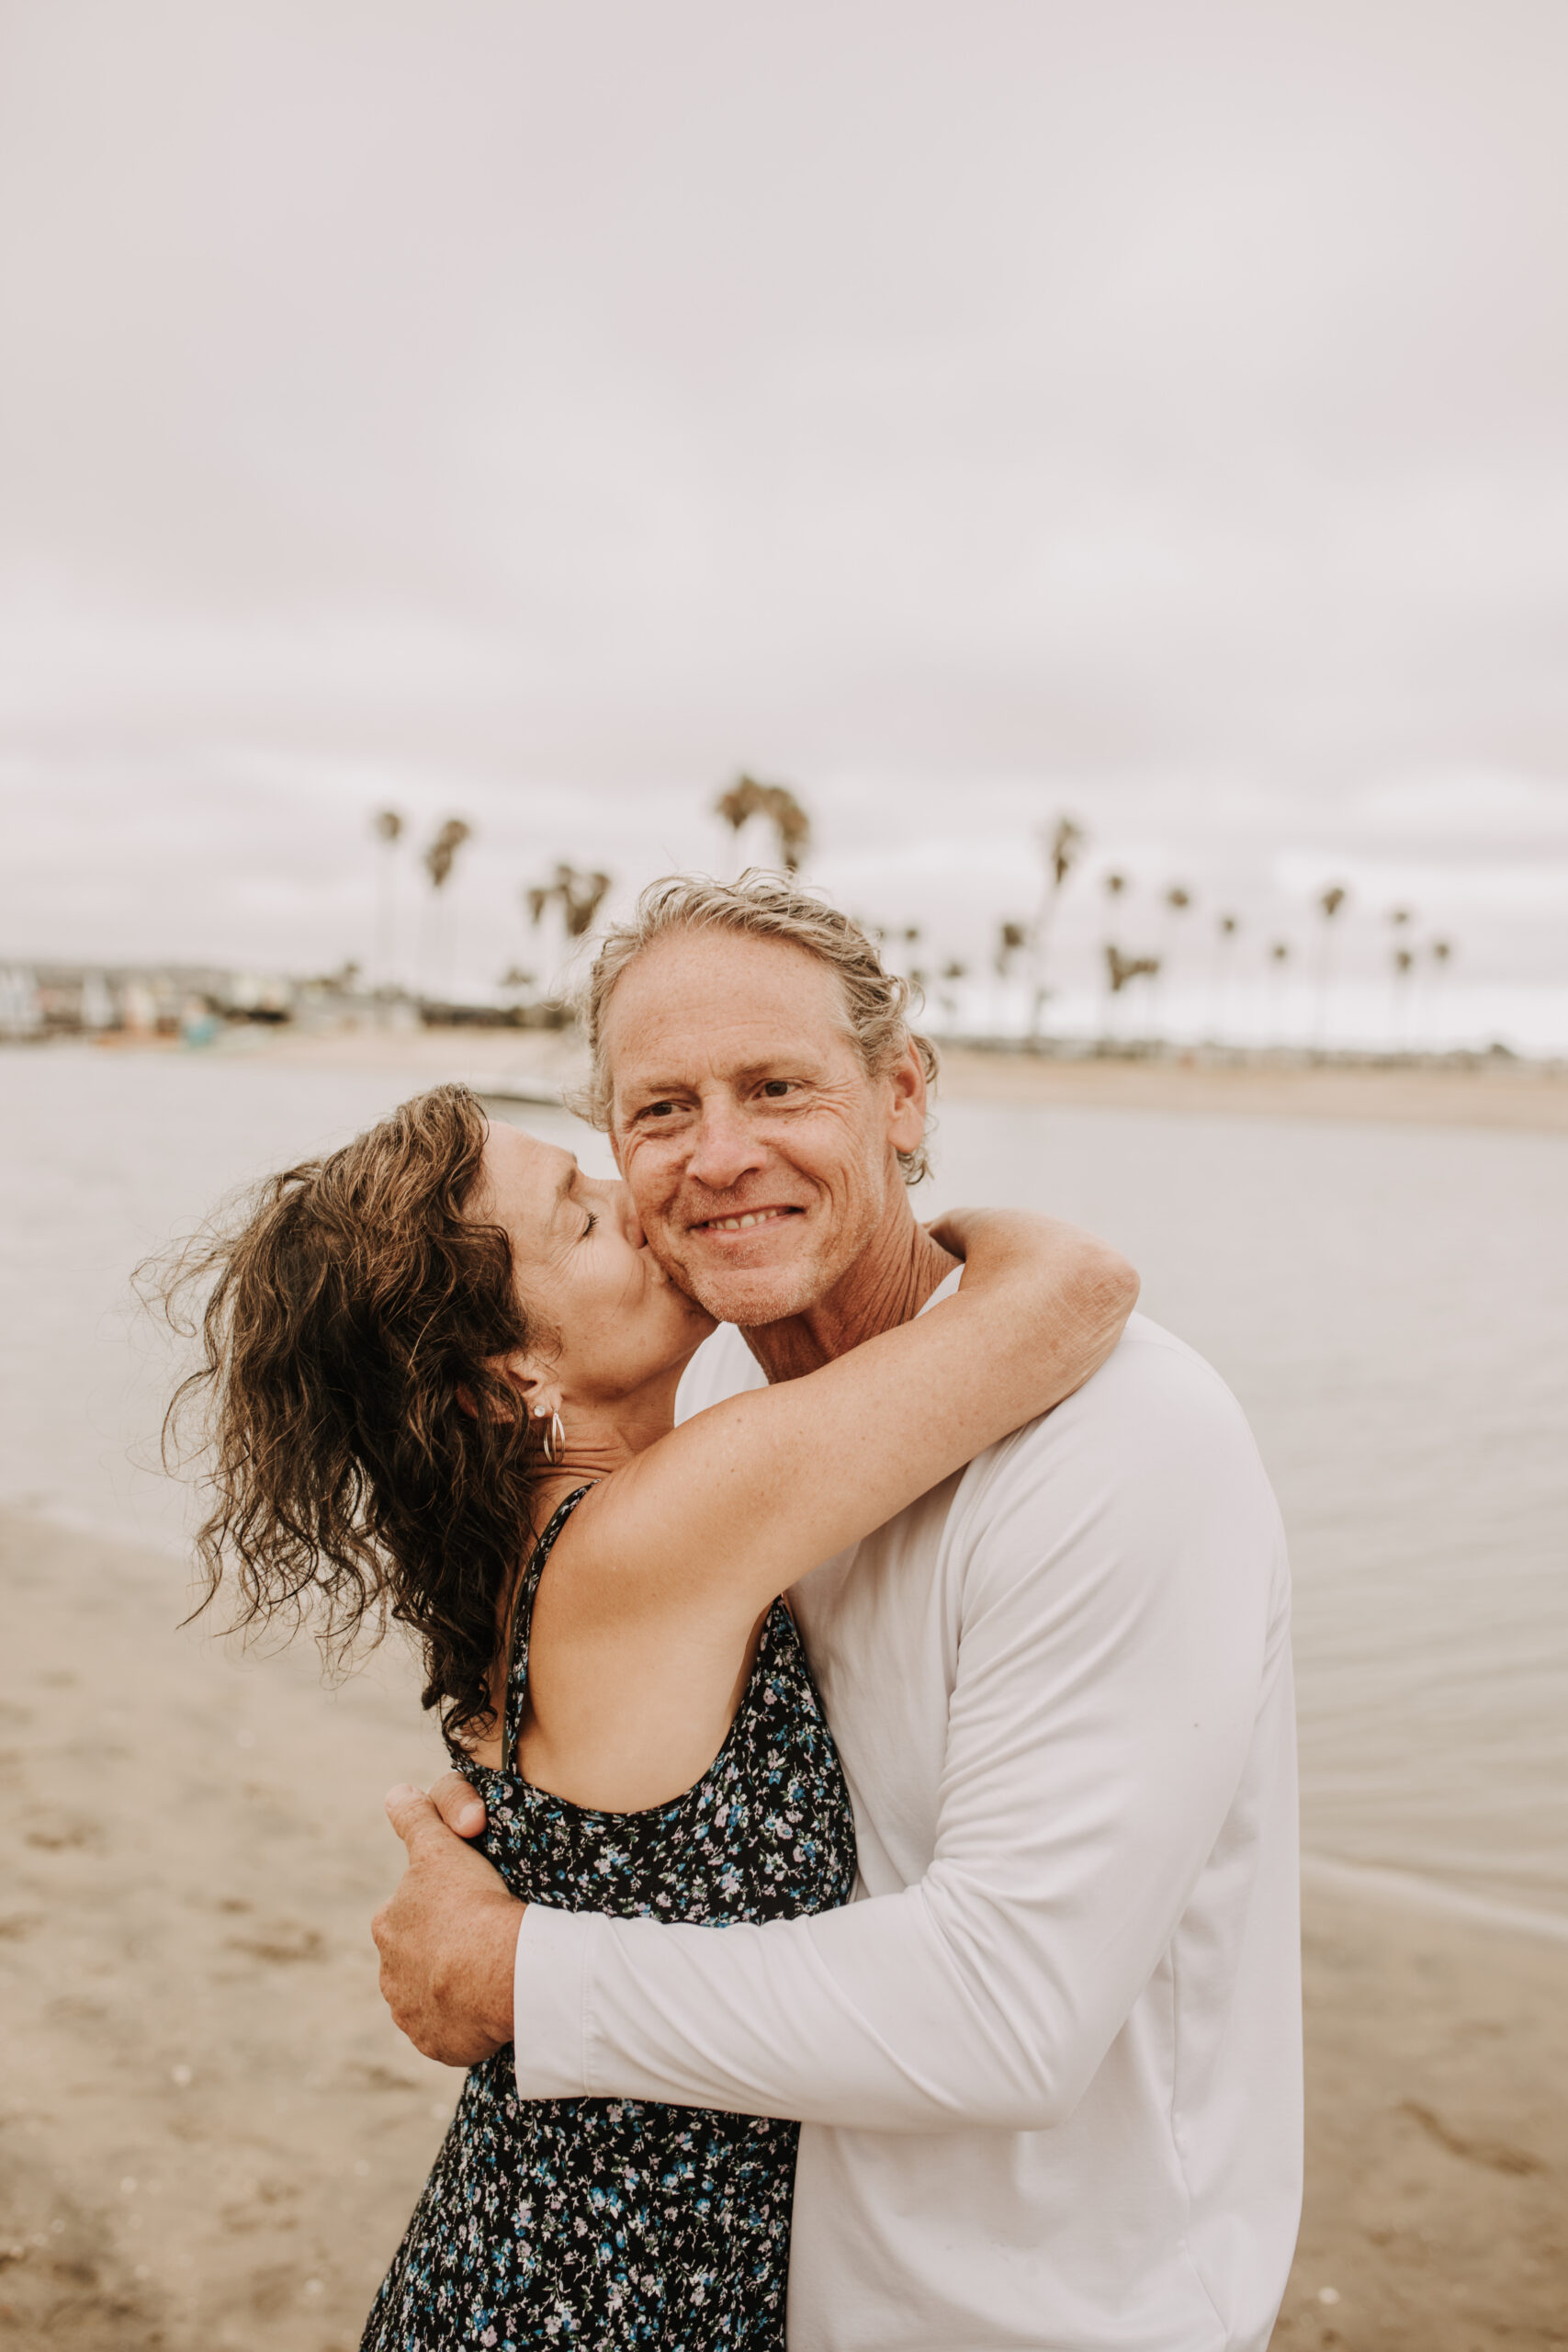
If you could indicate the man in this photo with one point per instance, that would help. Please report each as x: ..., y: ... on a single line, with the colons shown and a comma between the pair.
x: 1048, y: 2062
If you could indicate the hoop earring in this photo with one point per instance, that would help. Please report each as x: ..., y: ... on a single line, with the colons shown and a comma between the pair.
x: 553, y: 1442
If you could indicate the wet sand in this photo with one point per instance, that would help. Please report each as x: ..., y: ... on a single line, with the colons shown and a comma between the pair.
x: 212, y: 2131
x: 1437, y: 2204
x: 211, y: 2134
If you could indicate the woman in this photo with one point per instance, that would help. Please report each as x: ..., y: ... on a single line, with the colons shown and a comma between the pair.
x: 440, y: 1369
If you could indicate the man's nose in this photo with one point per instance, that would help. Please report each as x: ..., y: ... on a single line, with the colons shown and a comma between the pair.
x: 726, y: 1147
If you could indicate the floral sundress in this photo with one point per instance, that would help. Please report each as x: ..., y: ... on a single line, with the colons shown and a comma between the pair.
x: 609, y: 2223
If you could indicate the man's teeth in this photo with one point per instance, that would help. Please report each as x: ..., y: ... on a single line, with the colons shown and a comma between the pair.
x: 741, y: 1223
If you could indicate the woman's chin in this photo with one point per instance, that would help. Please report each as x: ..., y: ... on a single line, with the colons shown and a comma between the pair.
x: 692, y: 1311
x: 699, y: 1329
x: 695, y: 1326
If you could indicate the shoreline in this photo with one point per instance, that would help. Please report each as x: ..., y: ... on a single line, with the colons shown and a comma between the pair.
x: 212, y: 2135
x: 1533, y: 1097
x: 1529, y: 1096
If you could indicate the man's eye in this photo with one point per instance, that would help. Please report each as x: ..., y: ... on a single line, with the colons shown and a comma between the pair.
x: 775, y: 1087
x: 657, y: 1110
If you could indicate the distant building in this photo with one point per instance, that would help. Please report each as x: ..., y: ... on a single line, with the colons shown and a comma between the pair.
x: 21, y: 1004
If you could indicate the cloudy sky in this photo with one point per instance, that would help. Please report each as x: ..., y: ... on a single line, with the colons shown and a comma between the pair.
x: 964, y: 412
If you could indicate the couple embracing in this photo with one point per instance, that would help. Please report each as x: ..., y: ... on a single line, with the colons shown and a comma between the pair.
x: 865, y: 1895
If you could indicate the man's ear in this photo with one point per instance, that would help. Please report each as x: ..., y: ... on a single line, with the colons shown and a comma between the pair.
x: 907, y: 1122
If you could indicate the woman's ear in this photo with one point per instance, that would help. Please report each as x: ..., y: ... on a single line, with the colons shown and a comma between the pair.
x: 516, y: 1376
x: 468, y: 1403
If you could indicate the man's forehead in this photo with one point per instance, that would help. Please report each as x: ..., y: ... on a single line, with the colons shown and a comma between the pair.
x: 739, y: 1042
x: 708, y: 1010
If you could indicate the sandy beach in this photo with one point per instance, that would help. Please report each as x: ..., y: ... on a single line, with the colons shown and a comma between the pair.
x: 1511, y: 1095
x: 212, y: 2134
x: 1506, y: 1094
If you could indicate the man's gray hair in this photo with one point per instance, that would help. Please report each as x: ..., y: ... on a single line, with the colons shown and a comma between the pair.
x: 762, y: 906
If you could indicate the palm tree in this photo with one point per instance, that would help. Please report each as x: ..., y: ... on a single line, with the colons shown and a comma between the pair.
x: 1278, y: 956
x: 1114, y: 885
x: 1328, y: 905
x: 1442, y: 953
x: 387, y: 826
x: 1177, y: 899
x: 908, y: 937
x: 1061, y: 845
x: 440, y: 857
x: 952, y: 971
x: 577, y: 894
x: 1010, y: 937
x: 1121, y: 971
x: 747, y: 799
x: 1404, y: 967
x: 1225, y: 930
x: 438, y: 861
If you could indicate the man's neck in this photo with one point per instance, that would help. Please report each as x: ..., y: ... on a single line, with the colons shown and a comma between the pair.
x: 887, y: 1285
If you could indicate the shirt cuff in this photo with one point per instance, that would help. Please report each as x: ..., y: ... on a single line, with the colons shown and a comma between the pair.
x: 549, y: 1993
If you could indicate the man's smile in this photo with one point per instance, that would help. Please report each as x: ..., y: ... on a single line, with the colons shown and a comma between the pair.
x: 744, y: 1221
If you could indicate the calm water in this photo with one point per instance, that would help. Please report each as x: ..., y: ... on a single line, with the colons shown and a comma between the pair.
x: 1389, y: 1302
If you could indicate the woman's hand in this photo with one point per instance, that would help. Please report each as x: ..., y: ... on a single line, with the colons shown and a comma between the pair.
x: 1063, y: 1292
x: 956, y: 1229
x: 1073, y: 1268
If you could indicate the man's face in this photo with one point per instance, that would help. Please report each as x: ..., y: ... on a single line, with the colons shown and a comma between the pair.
x: 762, y: 1158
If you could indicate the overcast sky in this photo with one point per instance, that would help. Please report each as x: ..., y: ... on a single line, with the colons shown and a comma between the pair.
x: 962, y: 412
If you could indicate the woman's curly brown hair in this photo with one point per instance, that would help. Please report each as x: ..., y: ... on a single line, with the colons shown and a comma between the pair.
x: 366, y: 1453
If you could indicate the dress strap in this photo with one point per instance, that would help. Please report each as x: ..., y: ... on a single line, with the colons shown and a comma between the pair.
x: 522, y: 1622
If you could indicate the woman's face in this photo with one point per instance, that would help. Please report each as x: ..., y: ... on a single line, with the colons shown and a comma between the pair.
x: 582, y: 1268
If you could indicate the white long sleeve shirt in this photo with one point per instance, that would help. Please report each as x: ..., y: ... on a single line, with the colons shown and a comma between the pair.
x: 1048, y: 2059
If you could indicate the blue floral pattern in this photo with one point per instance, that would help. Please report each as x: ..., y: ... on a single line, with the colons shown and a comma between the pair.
x: 609, y: 2223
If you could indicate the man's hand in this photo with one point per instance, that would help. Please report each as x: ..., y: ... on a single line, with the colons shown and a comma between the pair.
x: 460, y: 1803
x: 447, y: 1938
